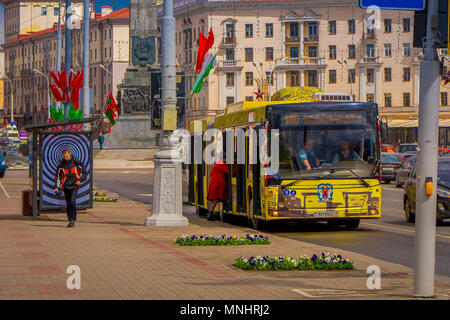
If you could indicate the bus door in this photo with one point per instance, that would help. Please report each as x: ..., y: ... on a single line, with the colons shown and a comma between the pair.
x: 240, y: 171
x: 228, y: 205
x: 191, y: 190
x: 256, y: 170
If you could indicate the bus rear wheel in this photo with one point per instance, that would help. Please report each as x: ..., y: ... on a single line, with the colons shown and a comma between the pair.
x: 352, y: 224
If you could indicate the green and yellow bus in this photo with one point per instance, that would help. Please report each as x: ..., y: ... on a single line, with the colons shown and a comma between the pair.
x: 340, y: 189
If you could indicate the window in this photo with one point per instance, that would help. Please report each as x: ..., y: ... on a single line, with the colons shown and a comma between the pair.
x: 406, y: 25
x: 406, y: 74
x: 370, y: 97
x: 229, y: 30
x: 248, y: 98
x: 293, y: 30
x: 387, y: 50
x: 248, y: 54
x: 387, y: 100
x: 370, y: 75
x: 294, y: 76
x: 312, y: 52
x: 406, y: 49
x: 269, y: 79
x: 444, y: 99
x: 56, y: 11
x: 387, y: 74
x: 387, y: 25
x: 351, y: 75
x: 249, y: 30
x: 269, y: 30
x: 406, y: 99
x: 351, y: 26
x: 332, y: 27
x: 332, y: 76
x: 351, y: 51
x: 230, y: 100
x: 230, y: 79
x: 370, y: 50
x: 229, y: 54
x: 332, y: 52
x: 293, y: 52
x: 249, y: 78
x: 269, y: 53
x: 43, y: 11
x: 312, y: 28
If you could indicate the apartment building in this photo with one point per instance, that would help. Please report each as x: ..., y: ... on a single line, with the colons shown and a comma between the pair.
x: 108, y: 52
x: 318, y: 43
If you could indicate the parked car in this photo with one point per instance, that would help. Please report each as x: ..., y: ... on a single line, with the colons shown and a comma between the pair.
x: 443, y: 192
x: 3, y: 167
x: 389, y: 163
x: 402, y: 173
x: 407, y: 147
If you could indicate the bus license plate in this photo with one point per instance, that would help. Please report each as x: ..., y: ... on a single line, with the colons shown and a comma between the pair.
x: 326, y: 214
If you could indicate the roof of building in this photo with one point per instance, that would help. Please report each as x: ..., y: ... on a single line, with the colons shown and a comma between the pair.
x: 118, y: 14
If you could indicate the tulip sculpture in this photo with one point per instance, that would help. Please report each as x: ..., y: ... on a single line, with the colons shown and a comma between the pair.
x: 66, y: 91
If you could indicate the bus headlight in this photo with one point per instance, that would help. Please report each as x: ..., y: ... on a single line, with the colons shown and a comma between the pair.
x: 275, y: 213
x: 373, y: 212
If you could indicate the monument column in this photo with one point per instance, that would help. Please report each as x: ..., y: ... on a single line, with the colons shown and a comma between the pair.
x: 133, y: 128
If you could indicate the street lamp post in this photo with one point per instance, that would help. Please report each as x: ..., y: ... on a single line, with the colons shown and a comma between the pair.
x: 167, y: 204
x: 48, y: 89
x: 11, y: 98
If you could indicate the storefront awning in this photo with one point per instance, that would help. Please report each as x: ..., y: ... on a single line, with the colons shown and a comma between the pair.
x: 414, y: 123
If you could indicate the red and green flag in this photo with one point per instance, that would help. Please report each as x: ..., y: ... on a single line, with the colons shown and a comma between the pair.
x: 111, y: 109
x: 204, y: 44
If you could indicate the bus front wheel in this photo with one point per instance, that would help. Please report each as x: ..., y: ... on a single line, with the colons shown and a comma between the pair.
x: 352, y: 224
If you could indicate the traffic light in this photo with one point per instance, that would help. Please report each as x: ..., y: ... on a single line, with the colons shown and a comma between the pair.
x: 420, y: 25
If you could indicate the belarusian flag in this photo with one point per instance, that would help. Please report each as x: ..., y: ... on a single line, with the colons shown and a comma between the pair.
x: 111, y: 109
x: 204, y: 44
x: 210, y: 62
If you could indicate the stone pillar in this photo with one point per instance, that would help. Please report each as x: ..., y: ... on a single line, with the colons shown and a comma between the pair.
x: 301, y: 39
x: 362, y: 85
x: 377, y: 90
x: 302, y: 78
x: 416, y: 85
x: 283, y: 38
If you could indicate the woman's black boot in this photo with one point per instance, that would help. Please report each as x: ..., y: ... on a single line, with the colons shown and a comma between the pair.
x: 210, y: 215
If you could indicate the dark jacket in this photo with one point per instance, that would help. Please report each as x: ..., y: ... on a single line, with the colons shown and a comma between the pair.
x: 69, y: 172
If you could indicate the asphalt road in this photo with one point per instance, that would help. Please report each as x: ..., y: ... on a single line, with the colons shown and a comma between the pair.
x: 390, y: 238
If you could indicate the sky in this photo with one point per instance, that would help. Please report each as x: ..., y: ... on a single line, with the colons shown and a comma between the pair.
x: 116, y: 4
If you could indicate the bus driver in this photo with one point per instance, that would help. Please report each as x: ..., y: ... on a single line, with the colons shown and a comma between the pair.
x: 345, y: 153
x: 308, y: 159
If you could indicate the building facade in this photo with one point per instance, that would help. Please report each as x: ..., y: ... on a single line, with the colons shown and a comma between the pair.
x: 300, y: 43
x: 108, y: 52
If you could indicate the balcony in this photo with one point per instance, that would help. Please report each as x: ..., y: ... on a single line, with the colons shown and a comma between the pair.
x: 230, y: 65
x: 369, y: 36
x: 369, y: 61
x: 311, y: 38
x: 292, y: 39
x: 301, y: 63
x: 228, y: 42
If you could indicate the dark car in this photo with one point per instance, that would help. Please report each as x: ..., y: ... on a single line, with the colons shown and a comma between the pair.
x: 407, y: 147
x: 389, y: 163
x: 402, y: 173
x: 443, y: 192
x: 3, y: 167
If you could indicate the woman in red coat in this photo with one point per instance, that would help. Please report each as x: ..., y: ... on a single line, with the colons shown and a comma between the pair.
x: 218, y: 186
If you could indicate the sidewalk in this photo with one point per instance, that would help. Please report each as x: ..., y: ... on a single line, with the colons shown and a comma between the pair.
x: 120, y: 258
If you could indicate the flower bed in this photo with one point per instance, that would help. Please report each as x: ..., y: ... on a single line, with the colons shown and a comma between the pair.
x: 323, y: 262
x: 101, y: 197
x: 208, y: 240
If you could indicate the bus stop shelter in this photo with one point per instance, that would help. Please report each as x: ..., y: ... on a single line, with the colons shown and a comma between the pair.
x: 36, y: 129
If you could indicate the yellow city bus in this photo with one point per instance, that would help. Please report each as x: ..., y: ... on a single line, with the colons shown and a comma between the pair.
x: 336, y: 189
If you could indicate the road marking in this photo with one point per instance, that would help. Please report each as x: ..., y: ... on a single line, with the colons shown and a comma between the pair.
x: 145, y: 194
x: 401, y: 229
x: 303, y: 293
x: 4, y: 190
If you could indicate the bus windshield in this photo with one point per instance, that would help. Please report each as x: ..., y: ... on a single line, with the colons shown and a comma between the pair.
x: 331, y: 144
